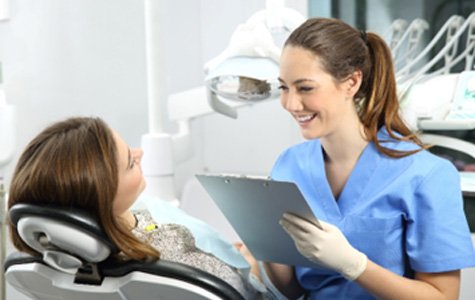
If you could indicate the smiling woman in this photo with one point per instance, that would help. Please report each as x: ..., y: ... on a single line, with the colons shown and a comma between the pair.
x: 392, y: 213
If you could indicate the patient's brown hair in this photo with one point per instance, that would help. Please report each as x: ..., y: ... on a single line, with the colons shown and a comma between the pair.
x: 73, y: 164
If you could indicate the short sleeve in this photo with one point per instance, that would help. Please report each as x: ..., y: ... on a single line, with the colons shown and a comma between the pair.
x: 438, y: 238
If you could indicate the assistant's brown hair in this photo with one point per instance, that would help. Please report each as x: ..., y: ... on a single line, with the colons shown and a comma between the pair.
x: 74, y: 164
x: 342, y: 50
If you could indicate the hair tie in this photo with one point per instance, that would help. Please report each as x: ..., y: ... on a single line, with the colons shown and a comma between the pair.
x: 364, y: 36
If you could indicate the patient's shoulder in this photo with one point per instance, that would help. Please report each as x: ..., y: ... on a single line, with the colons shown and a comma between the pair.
x: 166, y: 237
x: 143, y: 217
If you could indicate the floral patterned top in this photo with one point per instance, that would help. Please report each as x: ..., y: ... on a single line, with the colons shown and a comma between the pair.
x: 176, y: 243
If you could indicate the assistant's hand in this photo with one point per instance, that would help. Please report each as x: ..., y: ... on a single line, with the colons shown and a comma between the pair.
x: 328, y: 247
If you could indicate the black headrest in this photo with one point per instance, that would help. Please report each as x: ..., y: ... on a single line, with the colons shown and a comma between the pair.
x: 53, y: 231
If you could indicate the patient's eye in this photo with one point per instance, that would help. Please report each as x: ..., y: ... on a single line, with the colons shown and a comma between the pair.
x: 131, y: 159
x: 133, y: 162
x: 135, y: 155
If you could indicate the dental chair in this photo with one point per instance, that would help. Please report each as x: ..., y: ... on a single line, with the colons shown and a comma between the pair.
x: 76, y: 263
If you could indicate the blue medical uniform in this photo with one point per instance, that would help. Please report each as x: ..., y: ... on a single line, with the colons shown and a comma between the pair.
x: 406, y: 214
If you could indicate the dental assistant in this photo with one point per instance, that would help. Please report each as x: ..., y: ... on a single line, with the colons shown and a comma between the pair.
x: 392, y: 212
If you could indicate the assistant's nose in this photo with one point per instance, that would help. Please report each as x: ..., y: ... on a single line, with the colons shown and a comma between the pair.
x: 291, y: 101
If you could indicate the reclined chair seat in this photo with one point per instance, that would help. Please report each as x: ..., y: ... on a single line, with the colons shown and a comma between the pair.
x: 109, y: 278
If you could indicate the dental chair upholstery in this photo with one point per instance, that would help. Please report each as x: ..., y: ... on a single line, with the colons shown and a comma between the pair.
x: 76, y: 263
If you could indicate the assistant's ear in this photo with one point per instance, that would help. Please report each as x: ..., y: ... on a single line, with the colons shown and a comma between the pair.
x: 353, y: 83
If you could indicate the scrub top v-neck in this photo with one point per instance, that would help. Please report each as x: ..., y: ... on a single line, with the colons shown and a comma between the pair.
x: 406, y: 214
x: 335, y: 208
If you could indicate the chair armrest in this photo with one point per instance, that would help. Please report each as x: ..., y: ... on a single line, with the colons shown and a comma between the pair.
x: 113, y: 268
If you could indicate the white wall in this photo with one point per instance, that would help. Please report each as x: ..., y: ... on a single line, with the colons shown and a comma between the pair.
x: 64, y: 58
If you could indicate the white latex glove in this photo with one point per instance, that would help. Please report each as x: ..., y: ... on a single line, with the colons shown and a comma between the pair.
x: 328, y: 247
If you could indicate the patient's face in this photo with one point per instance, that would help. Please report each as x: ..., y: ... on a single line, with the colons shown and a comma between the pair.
x: 131, y: 181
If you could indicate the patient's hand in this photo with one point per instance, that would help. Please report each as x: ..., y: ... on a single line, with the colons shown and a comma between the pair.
x: 249, y: 258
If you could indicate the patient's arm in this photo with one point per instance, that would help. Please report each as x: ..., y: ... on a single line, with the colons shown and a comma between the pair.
x: 283, y: 277
x: 253, y: 264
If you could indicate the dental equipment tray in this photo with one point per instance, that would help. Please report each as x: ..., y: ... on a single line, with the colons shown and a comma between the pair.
x: 253, y: 206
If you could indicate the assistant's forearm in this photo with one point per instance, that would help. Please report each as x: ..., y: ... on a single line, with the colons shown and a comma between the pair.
x: 387, y: 285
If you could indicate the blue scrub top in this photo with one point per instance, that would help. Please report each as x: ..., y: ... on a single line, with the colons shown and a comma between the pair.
x: 406, y: 214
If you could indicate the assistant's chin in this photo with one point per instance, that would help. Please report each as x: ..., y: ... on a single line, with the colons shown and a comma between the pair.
x: 309, y: 135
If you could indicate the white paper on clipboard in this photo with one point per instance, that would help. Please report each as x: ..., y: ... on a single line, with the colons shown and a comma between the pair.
x: 253, y: 206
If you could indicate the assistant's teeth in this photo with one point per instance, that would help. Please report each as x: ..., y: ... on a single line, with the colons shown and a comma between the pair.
x: 305, y: 118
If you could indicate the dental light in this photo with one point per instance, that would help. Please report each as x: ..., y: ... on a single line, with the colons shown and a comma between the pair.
x: 243, y: 74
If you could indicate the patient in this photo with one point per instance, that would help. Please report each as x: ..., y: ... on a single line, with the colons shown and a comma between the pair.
x: 82, y: 163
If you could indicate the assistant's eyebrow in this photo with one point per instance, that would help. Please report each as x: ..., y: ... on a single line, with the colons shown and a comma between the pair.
x: 296, y: 81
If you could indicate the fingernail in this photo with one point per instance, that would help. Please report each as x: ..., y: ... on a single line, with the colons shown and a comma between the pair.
x: 282, y: 223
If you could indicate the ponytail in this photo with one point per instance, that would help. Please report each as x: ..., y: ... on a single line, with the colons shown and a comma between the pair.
x: 380, y: 105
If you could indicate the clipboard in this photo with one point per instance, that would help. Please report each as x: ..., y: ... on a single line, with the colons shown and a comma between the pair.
x: 253, y: 206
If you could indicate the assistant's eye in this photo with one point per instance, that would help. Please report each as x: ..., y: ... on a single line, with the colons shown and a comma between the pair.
x: 305, y: 89
x: 283, y: 88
